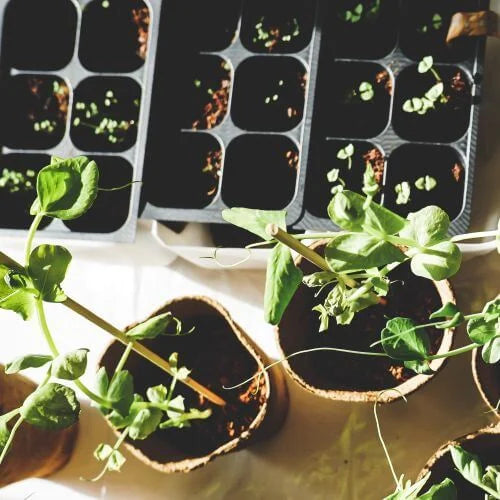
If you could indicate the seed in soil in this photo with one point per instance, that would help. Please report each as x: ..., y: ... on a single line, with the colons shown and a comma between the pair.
x: 433, y: 105
x: 105, y: 114
x: 189, y: 176
x: 361, y: 29
x: 281, y: 26
x: 409, y: 296
x: 111, y: 209
x: 18, y: 188
x: 260, y: 171
x: 353, y: 99
x: 39, y: 35
x: 205, y: 88
x: 424, y: 27
x: 273, y: 101
x: 426, y: 175
x: 34, y: 111
x: 200, y: 26
x: 114, y: 35
x: 340, y: 162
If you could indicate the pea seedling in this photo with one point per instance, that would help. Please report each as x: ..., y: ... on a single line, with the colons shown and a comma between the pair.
x: 66, y: 189
x: 270, y: 35
x: 403, y: 191
x: 435, y: 23
x: 367, y: 11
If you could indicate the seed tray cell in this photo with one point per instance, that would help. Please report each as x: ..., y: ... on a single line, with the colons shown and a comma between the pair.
x: 76, y: 78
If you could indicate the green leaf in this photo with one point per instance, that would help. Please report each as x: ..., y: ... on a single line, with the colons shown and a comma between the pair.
x: 121, y: 392
x: 420, y: 366
x: 445, y: 490
x: 408, y: 491
x: 255, y: 221
x: 70, y: 366
x: 453, y: 322
x: 4, y: 434
x: 324, y: 317
x: 435, y: 92
x: 347, y: 210
x: 401, y: 341
x: 47, y: 268
x: 153, y: 327
x: 403, y: 191
x: 145, y: 423
x: 67, y: 188
x: 370, y: 185
x: 282, y: 280
x: 482, y: 330
x: 27, y: 361
x: 157, y: 394
x: 333, y: 175
x: 467, y: 464
x: 437, y: 262
x: 491, y: 351
x: 355, y: 251
x: 347, y: 152
x: 180, y: 373
x: 13, y: 296
x: 102, y: 382
x: 115, y: 459
x: 425, y: 64
x: 102, y: 452
x: 366, y: 92
x: 427, y: 226
x: 448, y: 310
x: 319, y: 278
x: 426, y: 183
x: 52, y: 406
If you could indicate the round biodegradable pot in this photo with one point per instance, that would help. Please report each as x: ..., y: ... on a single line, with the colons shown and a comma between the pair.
x: 353, y: 377
x: 484, y: 443
x: 487, y: 378
x: 219, y: 354
x: 35, y: 452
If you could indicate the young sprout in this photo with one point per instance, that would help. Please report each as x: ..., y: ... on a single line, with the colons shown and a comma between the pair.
x: 366, y: 92
x: 15, y: 181
x: 270, y: 35
x: 403, y: 190
x: 361, y: 11
x: 436, y: 23
x: 426, y: 183
x: 346, y: 153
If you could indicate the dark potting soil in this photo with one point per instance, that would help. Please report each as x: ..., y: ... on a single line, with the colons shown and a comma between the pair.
x: 424, y: 27
x: 318, y: 188
x: 487, y: 447
x: 39, y: 35
x: 272, y: 101
x: 280, y: 26
x: 409, y: 296
x: 105, y: 114
x: 186, y: 177
x: 373, y: 36
x: 414, y: 161
x: 342, y: 111
x: 260, y: 171
x: 34, y: 111
x: 114, y: 35
x: 447, y: 122
x: 216, y: 359
x: 111, y: 208
x: 18, y: 188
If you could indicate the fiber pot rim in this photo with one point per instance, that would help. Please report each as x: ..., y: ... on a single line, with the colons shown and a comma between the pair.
x: 476, y: 361
x: 382, y: 396
x: 189, y: 464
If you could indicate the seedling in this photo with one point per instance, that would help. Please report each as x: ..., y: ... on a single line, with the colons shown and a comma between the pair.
x: 435, y: 24
x: 269, y: 35
x: 433, y: 96
x: 66, y: 189
x: 346, y: 153
x: 403, y: 191
x: 364, y: 92
x: 361, y: 12
x: 15, y: 181
x: 426, y: 183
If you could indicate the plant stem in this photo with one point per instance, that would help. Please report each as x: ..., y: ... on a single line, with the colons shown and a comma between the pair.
x: 117, y: 445
x: 31, y: 235
x: 471, y: 236
x: 5, y: 450
x: 454, y: 352
x: 123, y: 359
x: 9, y: 415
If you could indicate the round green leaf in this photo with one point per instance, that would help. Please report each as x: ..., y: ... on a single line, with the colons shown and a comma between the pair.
x: 28, y: 361
x: 437, y: 262
x: 70, y: 366
x: 401, y: 341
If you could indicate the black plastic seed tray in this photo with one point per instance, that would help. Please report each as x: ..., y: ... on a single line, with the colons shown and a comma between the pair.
x: 75, y: 79
x: 254, y: 101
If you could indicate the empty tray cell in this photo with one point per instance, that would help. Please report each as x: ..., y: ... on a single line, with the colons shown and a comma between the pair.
x: 269, y: 93
x: 204, y: 89
x: 424, y: 27
x: 421, y: 175
x: 260, y: 171
x: 18, y: 188
x: 280, y: 26
x: 114, y: 35
x: 39, y: 35
x: 186, y: 175
x: 355, y: 99
x: 111, y: 209
x: 340, y: 163
x: 432, y: 106
x: 362, y: 29
x: 34, y: 111
x: 105, y: 114
x: 201, y: 25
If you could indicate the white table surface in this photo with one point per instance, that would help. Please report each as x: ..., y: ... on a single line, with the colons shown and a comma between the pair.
x: 326, y: 449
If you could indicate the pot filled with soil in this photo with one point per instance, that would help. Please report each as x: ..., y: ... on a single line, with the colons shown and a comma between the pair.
x: 485, y: 444
x: 221, y: 355
x: 487, y: 378
x: 35, y: 110
x: 35, y: 452
x: 351, y: 377
x: 414, y: 182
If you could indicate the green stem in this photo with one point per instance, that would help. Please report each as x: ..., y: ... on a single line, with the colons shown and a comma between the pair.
x: 490, y: 491
x: 397, y: 240
x: 123, y: 359
x: 6, y: 448
x: 31, y: 235
x: 436, y: 75
x: 10, y: 414
x: 471, y: 236
x: 454, y: 352
x: 92, y: 395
